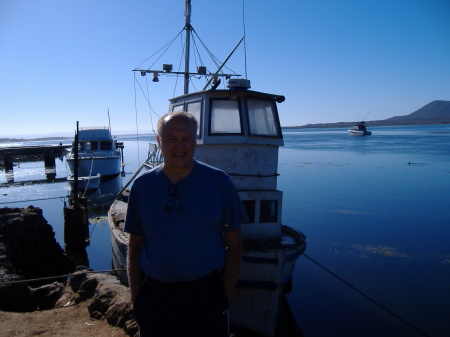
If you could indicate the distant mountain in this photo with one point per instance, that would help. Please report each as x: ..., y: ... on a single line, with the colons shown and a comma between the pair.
x: 436, y: 112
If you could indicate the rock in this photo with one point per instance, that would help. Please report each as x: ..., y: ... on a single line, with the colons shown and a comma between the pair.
x: 28, y: 250
x: 46, y: 296
x: 15, y: 297
x: 108, y: 297
x: 30, y: 244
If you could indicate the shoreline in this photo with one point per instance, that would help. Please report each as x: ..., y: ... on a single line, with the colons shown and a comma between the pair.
x: 5, y: 140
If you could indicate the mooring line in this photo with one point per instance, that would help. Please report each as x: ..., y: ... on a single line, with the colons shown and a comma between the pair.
x: 62, y: 276
x: 17, y: 201
x: 366, y: 296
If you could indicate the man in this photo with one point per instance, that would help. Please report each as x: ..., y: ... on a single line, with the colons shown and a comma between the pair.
x: 184, y: 222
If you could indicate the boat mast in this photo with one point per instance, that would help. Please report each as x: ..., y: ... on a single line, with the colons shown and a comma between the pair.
x: 188, y: 28
x: 167, y: 68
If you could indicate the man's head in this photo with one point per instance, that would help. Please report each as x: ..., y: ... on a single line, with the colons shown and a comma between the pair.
x: 177, y: 138
x: 163, y: 120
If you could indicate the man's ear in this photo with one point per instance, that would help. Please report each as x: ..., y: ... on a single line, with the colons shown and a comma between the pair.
x: 158, y: 141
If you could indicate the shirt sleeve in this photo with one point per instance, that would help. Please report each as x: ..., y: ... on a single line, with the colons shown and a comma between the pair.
x: 234, y: 212
x: 133, y: 220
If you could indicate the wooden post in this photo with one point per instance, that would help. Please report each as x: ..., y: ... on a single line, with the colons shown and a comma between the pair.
x: 49, y: 164
x: 76, y: 225
x: 75, y: 164
x: 8, y: 162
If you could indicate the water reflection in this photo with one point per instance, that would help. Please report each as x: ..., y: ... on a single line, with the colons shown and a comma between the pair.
x: 97, y: 204
x: 99, y: 201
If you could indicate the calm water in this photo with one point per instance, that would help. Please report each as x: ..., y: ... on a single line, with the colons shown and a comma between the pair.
x: 375, y: 211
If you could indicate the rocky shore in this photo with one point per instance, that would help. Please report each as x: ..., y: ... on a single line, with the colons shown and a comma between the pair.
x: 43, y: 293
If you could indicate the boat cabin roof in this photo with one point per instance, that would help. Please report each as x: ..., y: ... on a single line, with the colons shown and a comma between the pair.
x: 94, y: 133
x: 233, y: 116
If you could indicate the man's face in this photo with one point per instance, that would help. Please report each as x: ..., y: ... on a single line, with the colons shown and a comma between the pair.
x: 177, y: 143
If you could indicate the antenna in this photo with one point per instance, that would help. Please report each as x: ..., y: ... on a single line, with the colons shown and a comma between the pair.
x: 109, y: 122
x: 245, y: 44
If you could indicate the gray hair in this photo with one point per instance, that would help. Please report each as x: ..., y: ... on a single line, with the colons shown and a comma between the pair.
x: 163, y: 120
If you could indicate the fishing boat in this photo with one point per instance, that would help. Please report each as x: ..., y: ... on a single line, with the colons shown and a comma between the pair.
x: 98, y: 153
x: 359, y: 129
x: 240, y: 133
x: 85, y: 184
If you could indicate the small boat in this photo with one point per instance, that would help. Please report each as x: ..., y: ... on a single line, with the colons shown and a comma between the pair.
x: 85, y: 184
x: 98, y: 153
x: 359, y: 129
x: 239, y: 133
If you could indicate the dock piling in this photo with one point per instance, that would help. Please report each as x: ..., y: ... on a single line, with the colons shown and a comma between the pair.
x: 76, y: 225
x: 49, y: 164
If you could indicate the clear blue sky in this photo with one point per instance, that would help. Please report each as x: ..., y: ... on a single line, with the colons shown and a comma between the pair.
x: 334, y: 60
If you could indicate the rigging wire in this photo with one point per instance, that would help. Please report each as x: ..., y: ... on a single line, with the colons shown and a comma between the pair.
x: 146, y: 96
x: 136, y: 117
x: 216, y: 61
x: 365, y: 296
x: 165, y: 47
x: 211, y: 55
x: 150, y: 108
x: 183, y: 51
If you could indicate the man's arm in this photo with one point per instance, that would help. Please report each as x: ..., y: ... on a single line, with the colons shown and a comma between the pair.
x: 232, y: 261
x: 135, y: 274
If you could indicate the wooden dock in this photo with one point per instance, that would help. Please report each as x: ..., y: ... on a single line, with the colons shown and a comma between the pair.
x: 48, y: 153
x: 17, y: 154
x: 35, y: 150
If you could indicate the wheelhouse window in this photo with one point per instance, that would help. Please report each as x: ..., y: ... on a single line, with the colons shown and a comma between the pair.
x: 178, y: 107
x: 261, y: 117
x: 80, y: 146
x: 225, y: 117
x: 268, y: 211
x: 106, y: 146
x: 194, y: 108
x: 91, y: 145
x: 249, y: 206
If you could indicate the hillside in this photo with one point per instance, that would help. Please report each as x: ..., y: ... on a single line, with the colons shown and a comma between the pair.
x: 436, y: 112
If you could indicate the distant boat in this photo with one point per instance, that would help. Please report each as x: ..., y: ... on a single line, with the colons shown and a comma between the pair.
x: 98, y: 153
x: 359, y: 129
x: 88, y: 184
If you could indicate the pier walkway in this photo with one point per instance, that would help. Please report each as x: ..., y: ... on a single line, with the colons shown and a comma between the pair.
x: 48, y: 153
x: 35, y: 150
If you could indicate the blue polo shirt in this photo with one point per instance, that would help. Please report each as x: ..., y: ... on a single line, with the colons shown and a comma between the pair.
x: 183, y: 224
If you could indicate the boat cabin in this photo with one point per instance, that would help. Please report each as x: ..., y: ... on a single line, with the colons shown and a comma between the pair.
x: 240, y: 133
x: 95, y: 139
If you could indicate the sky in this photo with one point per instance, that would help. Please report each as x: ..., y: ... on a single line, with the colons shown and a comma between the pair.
x: 334, y: 60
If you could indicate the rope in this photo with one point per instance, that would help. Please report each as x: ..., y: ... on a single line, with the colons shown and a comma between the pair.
x: 15, y: 202
x: 90, y: 176
x: 365, y: 296
x: 61, y: 276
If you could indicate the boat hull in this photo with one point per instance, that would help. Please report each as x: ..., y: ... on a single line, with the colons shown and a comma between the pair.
x: 359, y: 133
x: 359, y: 129
x: 108, y: 167
x: 89, y: 183
x: 266, y: 272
